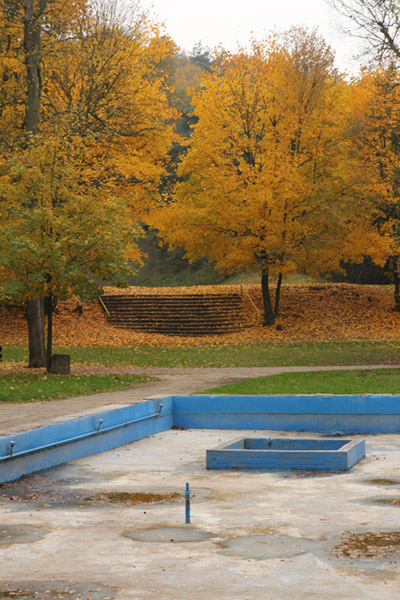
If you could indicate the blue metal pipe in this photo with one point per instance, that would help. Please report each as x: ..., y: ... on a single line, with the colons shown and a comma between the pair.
x: 187, y: 504
x: 77, y: 438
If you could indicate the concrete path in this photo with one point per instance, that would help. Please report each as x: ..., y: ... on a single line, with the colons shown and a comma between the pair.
x: 15, y: 418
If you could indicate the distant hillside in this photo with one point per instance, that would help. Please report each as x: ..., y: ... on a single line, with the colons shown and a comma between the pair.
x: 170, y: 269
x: 162, y: 268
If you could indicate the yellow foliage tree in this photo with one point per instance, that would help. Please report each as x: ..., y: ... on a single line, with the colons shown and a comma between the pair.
x: 375, y: 153
x: 88, y: 127
x: 261, y: 182
x: 108, y: 84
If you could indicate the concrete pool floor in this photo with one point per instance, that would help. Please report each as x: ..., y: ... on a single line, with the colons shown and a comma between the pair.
x: 253, y: 535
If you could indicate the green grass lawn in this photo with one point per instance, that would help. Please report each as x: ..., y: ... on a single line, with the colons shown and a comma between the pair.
x: 255, y: 355
x: 39, y: 388
x: 374, y: 381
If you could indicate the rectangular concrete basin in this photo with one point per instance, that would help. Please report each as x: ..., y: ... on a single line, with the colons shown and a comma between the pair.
x: 283, y: 453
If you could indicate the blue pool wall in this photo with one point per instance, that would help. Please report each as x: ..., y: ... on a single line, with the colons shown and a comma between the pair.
x: 55, y: 444
x: 317, y: 413
x: 322, y: 454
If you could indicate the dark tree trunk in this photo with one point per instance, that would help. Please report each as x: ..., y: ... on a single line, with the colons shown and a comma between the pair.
x: 32, y: 33
x: 269, y: 316
x: 278, y: 295
x: 35, y: 318
x: 396, y: 278
x: 49, y: 311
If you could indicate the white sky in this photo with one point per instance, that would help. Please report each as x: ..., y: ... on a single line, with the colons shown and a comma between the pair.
x: 229, y: 22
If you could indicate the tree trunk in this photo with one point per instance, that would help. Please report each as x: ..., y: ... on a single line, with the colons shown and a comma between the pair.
x: 269, y: 316
x: 49, y: 312
x: 396, y: 278
x: 278, y: 295
x: 35, y: 318
x: 32, y: 32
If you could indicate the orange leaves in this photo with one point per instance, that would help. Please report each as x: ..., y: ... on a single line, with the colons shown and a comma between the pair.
x: 374, y: 133
x: 57, y: 229
x: 179, y: 291
x: 72, y: 198
x: 331, y: 312
x: 259, y: 180
x: 310, y: 313
x: 102, y: 82
x: 107, y: 84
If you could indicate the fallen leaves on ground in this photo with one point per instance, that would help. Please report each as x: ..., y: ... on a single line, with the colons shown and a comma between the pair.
x: 369, y: 544
x: 309, y: 313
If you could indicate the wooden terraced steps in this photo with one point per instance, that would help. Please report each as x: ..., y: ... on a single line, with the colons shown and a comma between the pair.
x: 170, y: 314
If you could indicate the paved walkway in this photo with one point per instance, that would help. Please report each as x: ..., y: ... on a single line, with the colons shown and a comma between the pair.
x: 15, y: 418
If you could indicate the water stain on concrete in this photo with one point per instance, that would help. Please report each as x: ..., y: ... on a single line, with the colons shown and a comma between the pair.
x: 64, y: 476
x: 263, y: 547
x: 42, y: 498
x: 358, y: 554
x: 44, y: 491
x: 55, y: 590
x: 169, y: 535
x: 79, y: 498
x: 308, y: 474
x: 61, y: 488
x: 380, y: 500
x: 20, y: 534
x: 383, y: 481
x: 42, y: 488
x: 387, y: 501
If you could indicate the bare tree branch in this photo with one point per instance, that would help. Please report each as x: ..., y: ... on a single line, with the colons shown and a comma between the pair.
x: 377, y: 22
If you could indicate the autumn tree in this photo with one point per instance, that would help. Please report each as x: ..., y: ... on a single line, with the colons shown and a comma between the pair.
x: 186, y: 77
x: 186, y: 73
x: 63, y: 234
x: 375, y: 133
x: 376, y: 121
x: 112, y: 92
x: 21, y: 47
x: 262, y: 176
x: 202, y: 56
x: 22, y: 23
x: 376, y: 22
x: 92, y: 140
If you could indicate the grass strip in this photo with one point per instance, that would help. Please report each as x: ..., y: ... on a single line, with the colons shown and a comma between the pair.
x: 218, y: 355
x: 363, y: 381
x: 40, y: 388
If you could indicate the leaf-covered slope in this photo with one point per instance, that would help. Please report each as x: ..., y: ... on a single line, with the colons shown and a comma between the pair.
x: 323, y: 312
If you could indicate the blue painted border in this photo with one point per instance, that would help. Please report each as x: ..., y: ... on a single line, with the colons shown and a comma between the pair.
x: 318, y: 413
x: 311, y: 455
x: 56, y: 444
x: 53, y: 445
